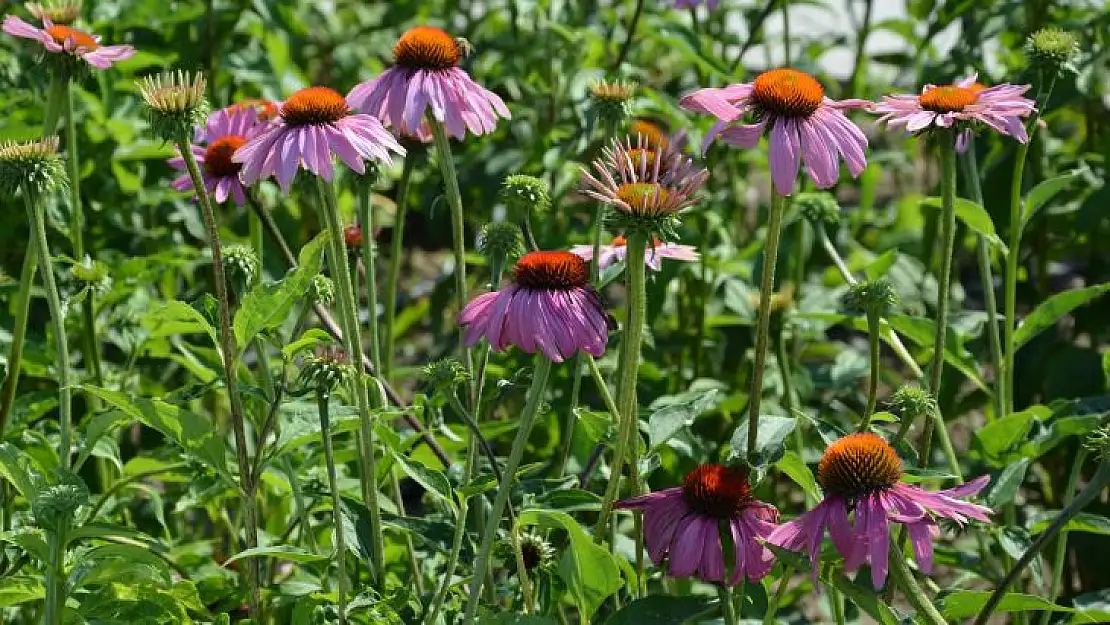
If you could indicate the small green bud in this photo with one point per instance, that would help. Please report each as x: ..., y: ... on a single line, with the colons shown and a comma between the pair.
x: 1053, y: 49
x: 177, y: 103
x: 33, y: 166
x: 1098, y: 443
x: 818, y: 207
x: 913, y: 402
x: 326, y: 369
x: 242, y: 266
x: 611, y: 102
x: 322, y: 290
x: 536, y: 552
x: 878, y: 297
x: 55, y: 506
x: 501, y: 241
x: 93, y: 274
x: 525, y: 195
x: 63, y: 12
x: 445, y: 375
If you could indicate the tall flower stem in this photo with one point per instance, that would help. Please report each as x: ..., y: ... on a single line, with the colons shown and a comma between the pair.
x: 763, y: 324
x: 626, y: 452
x: 780, y: 592
x: 55, y: 599
x: 728, y: 609
x: 458, y: 223
x: 1061, y: 552
x: 352, y: 342
x: 947, y: 150
x: 369, y: 260
x: 77, y: 228
x: 395, y: 260
x: 1016, y: 227
x: 336, y: 505
x: 873, y: 359
x: 902, y: 574
x: 1091, y: 492
x: 524, y: 429
x: 299, y: 506
x: 54, y: 99
x: 229, y: 353
x: 521, y: 570
x: 626, y: 47
x: 432, y: 613
x: 986, y: 277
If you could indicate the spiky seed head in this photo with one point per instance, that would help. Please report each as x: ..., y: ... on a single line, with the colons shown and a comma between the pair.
x: 322, y: 290
x: 93, y: 274
x: 445, y: 375
x: 818, y: 207
x: 611, y: 102
x: 501, y: 242
x: 1098, y: 443
x: 876, y: 297
x: 326, y: 369
x: 242, y: 266
x: 54, y: 507
x: 913, y: 402
x: 33, y: 166
x: 1053, y: 49
x: 176, y: 102
x: 63, y: 12
x: 536, y: 551
x: 523, y: 195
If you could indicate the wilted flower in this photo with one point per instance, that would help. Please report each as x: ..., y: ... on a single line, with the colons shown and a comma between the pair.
x: 860, y: 473
x: 33, y: 166
x: 958, y: 106
x: 426, y: 76
x: 656, y: 251
x: 683, y: 524
x: 62, y: 39
x: 312, y: 125
x: 549, y: 307
x: 327, y: 368
x: 802, y: 125
x: 227, y: 130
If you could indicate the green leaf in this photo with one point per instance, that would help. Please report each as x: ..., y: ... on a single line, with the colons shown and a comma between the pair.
x: 17, y: 590
x: 795, y: 468
x: 1049, y: 311
x: 280, y: 552
x: 1083, y: 522
x: 769, y: 441
x: 175, y: 318
x: 589, y: 570
x: 998, y: 436
x: 668, y: 421
x: 920, y: 330
x: 965, y: 604
x: 28, y: 540
x: 661, y: 610
x: 435, y: 482
x: 190, y: 431
x: 974, y: 216
x: 1007, y: 484
x: 516, y: 619
x: 19, y: 469
x: 301, y: 423
x: 267, y: 306
x: 1039, y: 195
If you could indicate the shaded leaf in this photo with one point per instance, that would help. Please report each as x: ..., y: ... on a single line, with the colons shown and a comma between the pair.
x: 974, y: 217
x: 770, y: 438
x: 1039, y: 195
x: 1052, y: 309
x: 668, y: 421
x: 661, y: 610
x: 280, y: 552
x: 1083, y: 522
x: 967, y: 603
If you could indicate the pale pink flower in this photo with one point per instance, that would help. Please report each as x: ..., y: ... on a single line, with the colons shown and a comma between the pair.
x: 615, y: 252
x: 60, y: 39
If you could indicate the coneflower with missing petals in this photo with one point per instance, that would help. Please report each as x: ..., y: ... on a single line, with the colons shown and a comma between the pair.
x: 64, y: 12
x: 227, y: 130
x: 426, y: 77
x: 33, y: 166
x: 860, y: 473
x: 57, y: 38
x: 803, y: 126
x: 657, y: 250
x: 682, y: 525
x: 314, y: 124
x: 176, y: 102
x: 550, y: 307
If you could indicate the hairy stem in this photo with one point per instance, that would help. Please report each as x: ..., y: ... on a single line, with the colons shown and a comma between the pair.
x: 873, y: 382
x: 77, y: 230
x: 763, y: 324
x: 337, y: 506
x: 1061, y: 551
x: 369, y: 260
x: 395, y: 261
x: 902, y: 574
x: 432, y: 613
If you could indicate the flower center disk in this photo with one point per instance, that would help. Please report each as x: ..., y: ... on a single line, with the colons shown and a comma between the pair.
x: 642, y: 196
x: 557, y: 271
x: 787, y: 93
x: 857, y: 465
x: 717, y: 491
x: 217, y: 158
x: 949, y: 98
x: 426, y: 47
x: 61, y: 33
x: 313, y: 106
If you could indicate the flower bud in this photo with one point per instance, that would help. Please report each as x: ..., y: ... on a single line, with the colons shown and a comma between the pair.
x: 611, y: 103
x: 93, y: 275
x: 875, y: 298
x: 54, y: 507
x: 444, y: 376
x: 818, y: 207
x: 242, y: 267
x: 1098, y: 443
x: 177, y: 103
x: 62, y: 12
x: 913, y: 402
x: 326, y: 369
x: 1053, y: 49
x: 501, y: 242
x: 33, y: 166
x: 322, y: 290
x: 525, y: 195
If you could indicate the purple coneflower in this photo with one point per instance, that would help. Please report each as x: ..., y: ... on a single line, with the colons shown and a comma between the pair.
x: 227, y: 130
x: 58, y: 38
x: 311, y: 125
x: 860, y: 472
x: 653, y: 257
x: 803, y: 125
x: 427, y: 74
x: 1001, y: 107
x: 681, y: 525
x: 646, y: 180
x: 550, y: 306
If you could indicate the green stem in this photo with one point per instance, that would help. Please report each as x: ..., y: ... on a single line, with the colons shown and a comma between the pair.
x: 728, y: 609
x: 627, y: 45
x: 77, y: 228
x: 986, y: 277
x: 395, y: 261
x: 352, y: 340
x: 229, y: 352
x: 947, y: 150
x: 37, y: 214
x: 336, y: 505
x: 527, y: 421
x: 854, y: 82
x: 298, y: 502
x: 521, y: 570
x: 780, y: 592
x: 1061, y: 552
x: 901, y: 573
x: 626, y: 451
x: 456, y: 547
x: 257, y: 235
x: 410, y: 548
x: 458, y: 223
x: 54, y: 99
x: 56, y: 578
x: 873, y: 382
x: 762, y: 337
x: 1016, y: 227
x: 369, y: 260
x: 567, y: 444
x: 1091, y: 492
x: 836, y: 600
